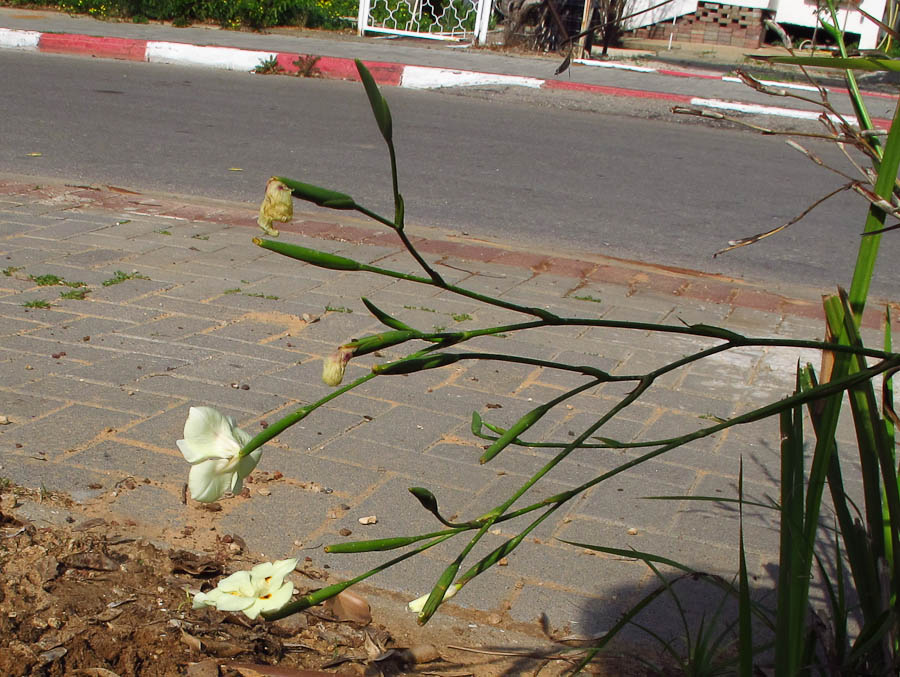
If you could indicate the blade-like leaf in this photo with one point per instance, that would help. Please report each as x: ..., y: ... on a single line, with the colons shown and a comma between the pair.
x: 379, y: 106
x: 313, y: 256
x: 322, y: 197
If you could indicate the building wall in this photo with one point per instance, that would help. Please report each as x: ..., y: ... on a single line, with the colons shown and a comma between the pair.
x: 712, y: 23
x: 740, y: 24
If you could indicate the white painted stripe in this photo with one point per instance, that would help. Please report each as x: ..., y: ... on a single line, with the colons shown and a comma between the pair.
x: 614, y: 64
x: 756, y: 109
x: 14, y: 39
x: 228, y: 58
x: 775, y: 83
x: 422, y: 77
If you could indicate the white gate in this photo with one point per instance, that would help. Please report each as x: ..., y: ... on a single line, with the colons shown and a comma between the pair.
x: 435, y: 19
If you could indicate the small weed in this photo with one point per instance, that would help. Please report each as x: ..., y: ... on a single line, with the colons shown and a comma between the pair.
x: 461, y: 317
x: 76, y: 294
x: 37, y: 303
x: 45, y: 493
x: 123, y: 222
x: 337, y: 309
x: 9, y: 271
x: 262, y: 296
x: 306, y: 66
x: 245, y: 281
x: 437, y: 329
x: 164, y: 232
x: 588, y: 297
x: 200, y: 237
x: 235, y: 290
x: 5, y: 483
x: 120, y: 276
x: 268, y: 67
x: 427, y: 310
x: 46, y: 280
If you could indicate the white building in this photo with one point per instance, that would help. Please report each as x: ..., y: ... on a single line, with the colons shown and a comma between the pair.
x: 740, y: 23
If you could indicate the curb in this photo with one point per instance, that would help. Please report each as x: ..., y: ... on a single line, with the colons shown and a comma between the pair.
x: 385, y: 73
x: 638, y: 278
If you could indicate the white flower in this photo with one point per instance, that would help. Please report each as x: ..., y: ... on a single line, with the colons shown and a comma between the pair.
x: 418, y: 603
x: 263, y: 588
x: 211, y: 444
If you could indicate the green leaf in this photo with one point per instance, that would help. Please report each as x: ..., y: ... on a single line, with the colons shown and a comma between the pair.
x: 375, y: 545
x: 322, y: 197
x: 313, y: 256
x: 384, y: 318
x: 379, y: 106
x: 413, y: 364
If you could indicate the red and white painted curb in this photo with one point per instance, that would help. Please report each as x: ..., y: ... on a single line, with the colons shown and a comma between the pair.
x: 385, y: 73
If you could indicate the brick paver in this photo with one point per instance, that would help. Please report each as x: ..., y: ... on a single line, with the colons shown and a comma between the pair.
x: 97, y: 390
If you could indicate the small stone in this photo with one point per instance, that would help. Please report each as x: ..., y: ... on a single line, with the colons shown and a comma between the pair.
x: 264, y: 492
x: 369, y: 519
x: 4, y: 420
x: 245, y: 387
x: 632, y: 532
x: 345, y: 532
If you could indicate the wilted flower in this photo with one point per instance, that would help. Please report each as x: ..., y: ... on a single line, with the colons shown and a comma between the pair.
x: 263, y: 588
x: 211, y: 444
x: 334, y: 365
x: 418, y: 603
x: 277, y: 205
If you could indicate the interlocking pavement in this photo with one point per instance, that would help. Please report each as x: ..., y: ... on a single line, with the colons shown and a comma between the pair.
x: 181, y: 309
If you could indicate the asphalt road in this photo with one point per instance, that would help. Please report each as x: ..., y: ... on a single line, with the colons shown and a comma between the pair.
x: 496, y: 166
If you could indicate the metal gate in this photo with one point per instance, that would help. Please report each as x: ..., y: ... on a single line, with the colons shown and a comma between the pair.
x: 435, y: 19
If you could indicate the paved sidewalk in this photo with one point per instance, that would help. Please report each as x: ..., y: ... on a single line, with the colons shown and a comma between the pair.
x: 632, y: 74
x: 96, y: 391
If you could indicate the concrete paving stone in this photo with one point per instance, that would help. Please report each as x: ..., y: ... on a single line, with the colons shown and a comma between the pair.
x: 286, y: 288
x: 62, y: 430
x: 408, y: 428
x: 301, y: 382
x: 545, y: 284
x: 27, y: 471
x: 490, y: 378
x: 129, y: 290
x: 60, y: 388
x: 344, y: 480
x: 93, y: 257
x: 36, y: 249
x: 354, y: 286
x: 702, y: 556
x: 67, y: 228
x: 671, y: 424
x: 424, y: 389
x: 275, y: 264
x: 17, y: 371
x: 200, y: 393
x: 403, y: 262
x: 398, y: 512
x: 150, y: 504
x: 621, y: 427
x: 14, y: 282
x: 9, y: 228
x: 501, y: 488
x: 317, y: 429
x: 272, y: 352
x: 131, y: 226
x: 569, y: 613
x: 223, y: 369
x: 103, y: 240
x: 171, y: 328
x: 120, y: 459
x: 675, y: 346
x: 125, y: 369
x: 571, y: 379
x: 21, y: 298
x: 104, y: 309
x: 73, y: 329
x: 76, y: 353
x: 718, y: 522
x: 228, y: 257
x: 691, y: 459
x: 20, y: 407
x: 163, y: 304
x: 622, y: 499
x: 9, y: 324
x: 271, y: 524
x: 715, y: 402
x: 416, y: 468
x: 165, y: 257
x: 749, y: 319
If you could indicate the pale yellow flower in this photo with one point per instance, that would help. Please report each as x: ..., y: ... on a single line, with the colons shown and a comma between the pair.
x: 277, y: 205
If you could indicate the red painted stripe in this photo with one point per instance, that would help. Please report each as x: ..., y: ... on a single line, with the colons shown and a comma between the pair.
x: 684, y: 74
x: 615, y: 91
x: 345, y: 69
x: 110, y: 48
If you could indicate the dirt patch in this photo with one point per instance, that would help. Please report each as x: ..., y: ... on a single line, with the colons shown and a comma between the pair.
x: 95, y: 597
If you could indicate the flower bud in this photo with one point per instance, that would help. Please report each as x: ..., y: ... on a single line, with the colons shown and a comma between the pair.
x: 334, y: 365
x: 277, y: 205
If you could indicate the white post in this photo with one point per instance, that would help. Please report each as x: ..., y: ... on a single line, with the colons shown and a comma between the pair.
x: 482, y: 20
x: 363, y: 19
